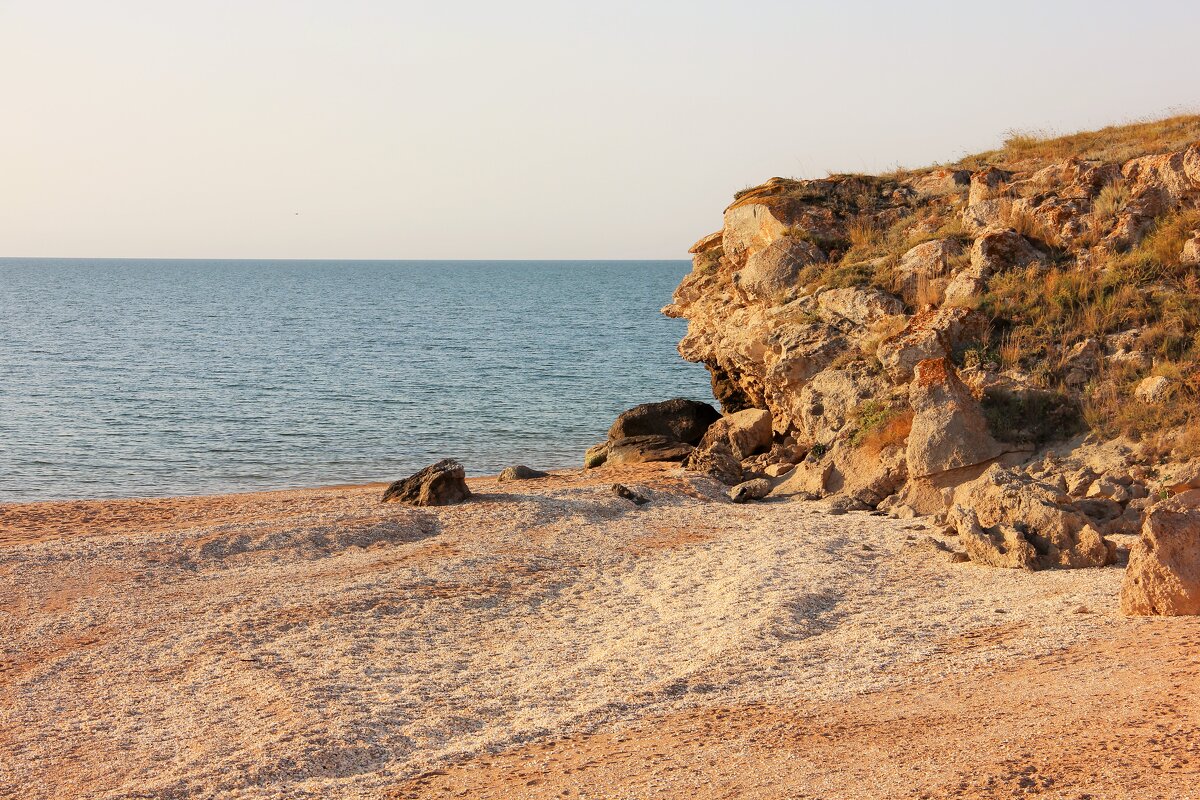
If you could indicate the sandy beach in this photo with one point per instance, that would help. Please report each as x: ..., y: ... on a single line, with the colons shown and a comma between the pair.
x: 548, y: 639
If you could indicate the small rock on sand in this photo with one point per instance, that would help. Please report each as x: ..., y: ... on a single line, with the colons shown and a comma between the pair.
x: 520, y: 472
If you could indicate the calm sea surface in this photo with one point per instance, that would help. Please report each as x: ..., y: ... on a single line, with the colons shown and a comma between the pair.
x: 138, y: 378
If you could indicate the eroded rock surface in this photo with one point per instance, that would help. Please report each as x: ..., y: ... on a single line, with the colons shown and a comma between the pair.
x: 1163, y: 576
x: 1008, y: 520
x: 909, y: 330
x: 948, y: 430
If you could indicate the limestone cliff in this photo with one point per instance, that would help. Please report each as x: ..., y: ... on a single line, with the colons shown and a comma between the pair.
x: 912, y: 328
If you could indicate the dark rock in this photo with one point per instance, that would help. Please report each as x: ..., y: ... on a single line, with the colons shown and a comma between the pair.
x: 440, y: 484
x: 727, y: 390
x: 678, y: 419
x: 640, y: 449
x: 520, y: 472
x: 621, y: 490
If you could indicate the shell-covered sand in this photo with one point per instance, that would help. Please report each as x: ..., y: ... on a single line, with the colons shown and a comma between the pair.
x: 548, y: 639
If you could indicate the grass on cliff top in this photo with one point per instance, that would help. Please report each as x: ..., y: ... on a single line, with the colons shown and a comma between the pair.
x: 1116, y: 143
x: 1029, y: 150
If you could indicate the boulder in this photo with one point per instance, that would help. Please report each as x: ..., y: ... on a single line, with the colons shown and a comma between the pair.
x: 1190, y: 256
x: 994, y: 251
x: 999, y: 250
x: 1183, y: 478
x: 520, y: 472
x: 750, y: 490
x: 949, y: 430
x: 985, y: 215
x: 1160, y: 181
x: 679, y: 419
x: 1100, y: 510
x: 1155, y: 389
x: 867, y: 475
x: 1163, y: 576
x: 941, y: 182
x: 807, y: 480
x: 986, y: 184
x: 717, y: 461
x: 1080, y: 481
x: 1005, y: 519
x: 774, y: 270
x: 745, y: 432
x: 921, y: 273
x: 641, y: 449
x: 440, y: 484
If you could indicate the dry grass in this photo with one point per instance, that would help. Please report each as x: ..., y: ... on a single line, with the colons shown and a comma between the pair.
x: 1116, y: 143
x: 1158, y: 256
x: 1110, y: 201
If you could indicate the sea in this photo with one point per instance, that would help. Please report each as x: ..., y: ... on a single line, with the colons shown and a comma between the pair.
x: 139, y: 378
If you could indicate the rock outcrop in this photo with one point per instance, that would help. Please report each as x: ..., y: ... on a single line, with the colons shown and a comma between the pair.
x: 948, y: 430
x: 1163, y: 576
x: 440, y: 484
x: 1007, y: 520
x: 909, y: 330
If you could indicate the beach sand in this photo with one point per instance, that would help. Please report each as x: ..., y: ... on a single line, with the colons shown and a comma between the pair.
x: 548, y: 639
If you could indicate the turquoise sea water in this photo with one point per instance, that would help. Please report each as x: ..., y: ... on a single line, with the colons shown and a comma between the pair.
x: 140, y: 378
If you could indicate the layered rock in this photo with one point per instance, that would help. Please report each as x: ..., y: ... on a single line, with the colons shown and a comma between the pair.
x: 641, y: 449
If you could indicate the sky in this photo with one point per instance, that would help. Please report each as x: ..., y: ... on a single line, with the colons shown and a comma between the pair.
x: 521, y: 130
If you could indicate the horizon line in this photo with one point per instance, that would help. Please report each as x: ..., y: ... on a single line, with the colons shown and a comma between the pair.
x: 393, y: 260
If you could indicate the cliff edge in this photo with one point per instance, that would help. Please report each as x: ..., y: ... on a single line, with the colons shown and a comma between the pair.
x: 1029, y: 313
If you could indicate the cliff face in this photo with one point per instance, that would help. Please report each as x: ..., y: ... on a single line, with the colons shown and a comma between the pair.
x: 941, y: 318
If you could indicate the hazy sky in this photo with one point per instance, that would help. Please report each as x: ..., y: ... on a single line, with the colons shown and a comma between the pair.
x: 356, y: 129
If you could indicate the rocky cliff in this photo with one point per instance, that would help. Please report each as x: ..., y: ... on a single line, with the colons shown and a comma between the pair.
x: 908, y: 331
